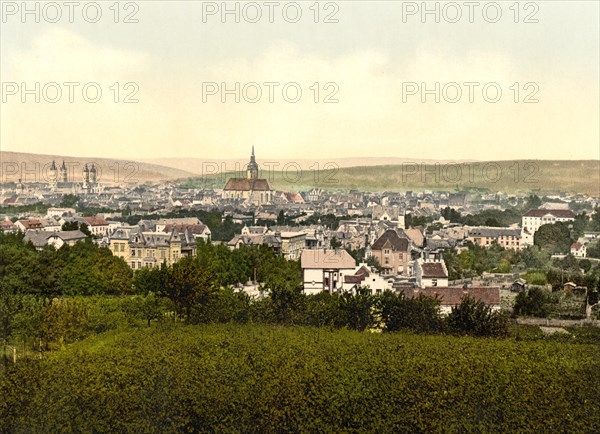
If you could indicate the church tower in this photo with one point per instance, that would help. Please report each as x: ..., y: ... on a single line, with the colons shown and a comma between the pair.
x: 252, y: 168
x: 53, y: 174
x: 63, y: 172
x: 86, y: 178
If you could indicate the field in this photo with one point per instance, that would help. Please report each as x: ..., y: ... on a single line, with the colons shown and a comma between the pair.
x: 520, y: 176
x: 231, y: 378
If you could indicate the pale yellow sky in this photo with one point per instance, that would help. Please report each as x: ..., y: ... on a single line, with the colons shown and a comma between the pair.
x: 374, y: 64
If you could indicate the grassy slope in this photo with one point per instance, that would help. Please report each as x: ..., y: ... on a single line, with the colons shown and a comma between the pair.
x: 274, y: 379
x: 508, y: 176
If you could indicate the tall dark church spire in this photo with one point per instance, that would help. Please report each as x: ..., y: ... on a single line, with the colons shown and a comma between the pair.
x: 252, y: 168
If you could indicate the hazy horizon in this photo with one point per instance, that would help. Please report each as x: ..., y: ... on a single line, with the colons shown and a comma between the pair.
x: 369, y: 61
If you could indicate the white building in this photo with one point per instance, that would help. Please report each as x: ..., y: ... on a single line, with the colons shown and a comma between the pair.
x: 431, y: 274
x: 579, y: 250
x: 534, y: 218
x: 324, y: 269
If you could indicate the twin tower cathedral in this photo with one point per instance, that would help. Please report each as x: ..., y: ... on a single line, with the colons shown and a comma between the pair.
x: 59, y: 178
x: 252, y: 189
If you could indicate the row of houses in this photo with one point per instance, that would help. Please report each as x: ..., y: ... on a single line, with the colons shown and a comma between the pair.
x: 335, y: 271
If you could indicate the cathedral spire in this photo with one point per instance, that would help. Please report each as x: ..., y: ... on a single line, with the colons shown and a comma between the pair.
x: 252, y: 168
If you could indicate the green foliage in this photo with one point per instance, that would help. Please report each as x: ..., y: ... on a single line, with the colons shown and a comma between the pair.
x: 593, y: 250
x: 476, y: 260
x: 82, y: 269
x: 473, y: 317
x: 421, y: 314
x: 412, y: 221
x: 533, y: 302
x: 74, y: 226
x: 585, y: 265
x: 271, y: 379
x: 535, y: 277
x: 356, y: 309
x: 69, y: 201
x: 488, y: 217
x: 533, y: 202
x: 554, y: 238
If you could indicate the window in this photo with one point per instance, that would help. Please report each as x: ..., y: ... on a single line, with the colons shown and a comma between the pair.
x: 433, y: 282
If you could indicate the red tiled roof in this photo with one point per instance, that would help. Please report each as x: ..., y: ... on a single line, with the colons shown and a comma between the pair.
x: 576, y: 246
x: 95, y: 221
x: 244, y: 184
x: 31, y: 224
x: 561, y: 213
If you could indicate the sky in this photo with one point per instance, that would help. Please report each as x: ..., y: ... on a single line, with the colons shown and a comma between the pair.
x: 434, y: 80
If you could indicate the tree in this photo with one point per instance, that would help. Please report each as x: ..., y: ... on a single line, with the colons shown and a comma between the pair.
x: 357, y: 309
x: 555, y: 238
x: 474, y: 317
x: 69, y: 200
x: 532, y: 302
x: 421, y: 314
x: 189, y: 285
x: 533, y: 202
x: 76, y: 226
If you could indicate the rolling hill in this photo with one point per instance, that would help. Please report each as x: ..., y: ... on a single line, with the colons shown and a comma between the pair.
x: 518, y: 176
x: 34, y: 167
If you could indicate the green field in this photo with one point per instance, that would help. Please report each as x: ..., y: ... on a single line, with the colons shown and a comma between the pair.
x: 519, y: 176
x: 229, y: 378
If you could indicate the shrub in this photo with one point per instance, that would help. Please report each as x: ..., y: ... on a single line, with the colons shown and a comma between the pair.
x: 532, y: 302
x: 421, y: 314
x: 474, y: 317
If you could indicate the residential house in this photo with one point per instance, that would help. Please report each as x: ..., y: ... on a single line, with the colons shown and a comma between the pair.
x: 431, y: 274
x: 149, y: 249
x: 579, y: 250
x: 392, y: 251
x: 56, y: 239
x: 292, y: 244
x: 363, y: 276
x: 8, y: 227
x: 324, y: 270
x: 97, y: 225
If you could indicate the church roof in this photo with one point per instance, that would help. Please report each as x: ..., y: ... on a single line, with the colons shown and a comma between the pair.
x: 244, y: 184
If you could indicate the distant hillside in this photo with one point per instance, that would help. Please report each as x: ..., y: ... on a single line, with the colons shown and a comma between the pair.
x: 34, y: 167
x: 201, y: 166
x: 546, y: 176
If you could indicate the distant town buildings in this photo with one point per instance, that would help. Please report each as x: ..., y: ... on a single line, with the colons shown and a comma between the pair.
x: 486, y: 236
x: 534, y: 218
